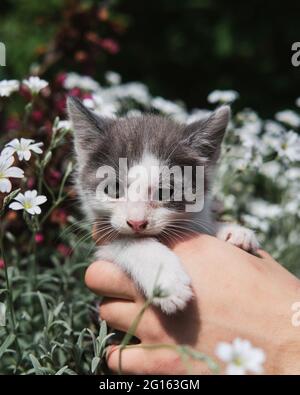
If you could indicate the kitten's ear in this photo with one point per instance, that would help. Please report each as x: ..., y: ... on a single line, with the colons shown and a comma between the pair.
x: 88, y: 128
x: 206, y: 135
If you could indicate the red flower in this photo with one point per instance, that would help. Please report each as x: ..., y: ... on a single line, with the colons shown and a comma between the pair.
x: 39, y: 238
x: 54, y: 177
x: 110, y: 45
x: 37, y: 116
x: 2, y: 264
x: 59, y: 216
x: 31, y: 182
x: 60, y: 78
x: 12, y: 124
x: 64, y: 250
x: 75, y: 92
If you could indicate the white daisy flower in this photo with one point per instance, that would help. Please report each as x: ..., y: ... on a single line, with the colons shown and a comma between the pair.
x: 23, y: 148
x: 29, y: 202
x: 166, y: 106
x: 86, y: 83
x: 105, y: 108
x: 198, y: 115
x: 262, y: 209
x: 67, y: 125
x: 289, y: 117
x: 7, y: 87
x: 113, y: 78
x: 219, y: 96
x: 35, y: 84
x: 8, y: 171
x: 241, y: 357
x: 288, y: 147
x: 273, y: 127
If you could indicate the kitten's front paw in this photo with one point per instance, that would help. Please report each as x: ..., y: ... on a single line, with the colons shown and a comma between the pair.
x: 174, y: 287
x: 239, y: 236
x: 177, y: 300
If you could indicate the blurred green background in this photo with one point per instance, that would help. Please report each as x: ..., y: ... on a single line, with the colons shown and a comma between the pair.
x: 182, y: 49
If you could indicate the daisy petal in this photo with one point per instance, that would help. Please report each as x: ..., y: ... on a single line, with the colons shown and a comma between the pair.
x: 14, y: 172
x: 224, y: 351
x: 41, y: 199
x: 20, y: 198
x: 235, y: 370
x: 16, y: 206
x: 8, y: 162
x: 37, y: 210
x: 5, y: 185
x: 27, y: 154
x: 30, y: 210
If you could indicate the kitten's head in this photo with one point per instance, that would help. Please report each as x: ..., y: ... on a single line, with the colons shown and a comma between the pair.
x: 139, y: 195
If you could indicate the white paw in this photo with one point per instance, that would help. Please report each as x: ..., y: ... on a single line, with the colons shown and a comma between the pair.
x: 239, y: 236
x: 174, y: 286
x: 176, y: 300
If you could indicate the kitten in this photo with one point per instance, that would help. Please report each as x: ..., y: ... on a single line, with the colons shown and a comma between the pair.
x: 134, y: 226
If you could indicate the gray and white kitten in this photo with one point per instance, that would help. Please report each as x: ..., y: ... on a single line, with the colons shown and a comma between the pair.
x: 134, y: 228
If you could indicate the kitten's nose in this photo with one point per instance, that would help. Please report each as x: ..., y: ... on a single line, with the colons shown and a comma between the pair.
x: 137, y: 226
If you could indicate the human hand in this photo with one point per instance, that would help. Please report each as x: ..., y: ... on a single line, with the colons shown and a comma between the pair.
x: 235, y: 295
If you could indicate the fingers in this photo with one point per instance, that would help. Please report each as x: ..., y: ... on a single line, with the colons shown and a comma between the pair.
x: 106, y: 279
x: 120, y: 314
x: 137, y: 360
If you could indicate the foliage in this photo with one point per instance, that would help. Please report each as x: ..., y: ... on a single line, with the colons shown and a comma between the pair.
x: 45, y: 309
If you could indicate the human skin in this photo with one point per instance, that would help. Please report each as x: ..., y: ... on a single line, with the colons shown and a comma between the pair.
x: 235, y: 295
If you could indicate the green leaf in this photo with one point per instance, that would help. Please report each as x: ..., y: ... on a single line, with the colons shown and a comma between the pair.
x: 10, y: 197
x: 44, y: 307
x: 94, y: 340
x: 102, y: 334
x: 95, y: 363
x: 36, y: 365
x: 58, y: 308
x: 7, y: 342
x: 2, y: 314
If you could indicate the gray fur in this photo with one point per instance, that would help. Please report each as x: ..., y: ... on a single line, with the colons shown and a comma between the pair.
x: 100, y: 141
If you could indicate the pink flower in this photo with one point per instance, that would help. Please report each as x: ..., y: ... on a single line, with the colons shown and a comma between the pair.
x: 110, y: 45
x: 39, y: 238
x: 12, y: 124
x: 75, y: 92
x: 2, y: 264
x: 59, y: 216
x: 60, y: 104
x: 30, y: 182
x: 60, y: 78
x: 64, y: 250
x: 37, y: 115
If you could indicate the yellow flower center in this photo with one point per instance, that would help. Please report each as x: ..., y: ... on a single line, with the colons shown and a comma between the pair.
x: 238, y: 361
x: 27, y: 205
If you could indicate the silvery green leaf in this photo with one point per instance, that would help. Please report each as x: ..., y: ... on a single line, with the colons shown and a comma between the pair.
x: 2, y: 314
x: 7, y: 342
x: 10, y: 197
x: 95, y: 363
